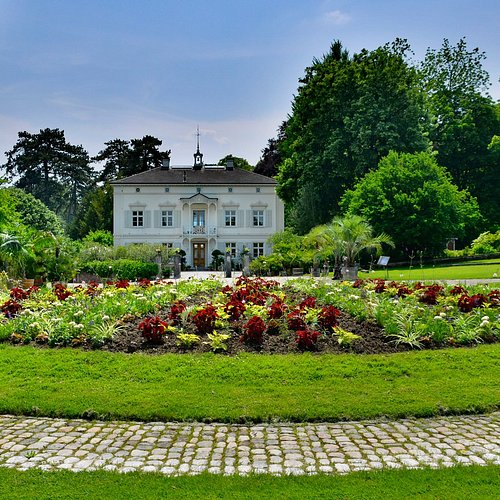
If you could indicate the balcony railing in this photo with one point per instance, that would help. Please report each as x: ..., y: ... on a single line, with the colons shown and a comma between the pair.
x: 200, y: 231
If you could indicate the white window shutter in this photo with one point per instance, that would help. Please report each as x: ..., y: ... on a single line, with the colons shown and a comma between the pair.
x: 147, y: 218
x: 128, y: 218
x: 249, y: 219
x: 177, y: 218
x: 157, y: 218
x: 240, y: 216
x: 268, y: 218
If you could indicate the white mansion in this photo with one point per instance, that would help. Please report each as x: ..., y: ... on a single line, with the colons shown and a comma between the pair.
x: 198, y: 209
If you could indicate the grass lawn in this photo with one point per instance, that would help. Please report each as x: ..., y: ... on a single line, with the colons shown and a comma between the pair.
x: 250, y: 387
x: 458, y: 482
x: 461, y: 271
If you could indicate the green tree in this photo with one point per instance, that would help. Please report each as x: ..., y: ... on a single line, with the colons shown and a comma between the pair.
x: 33, y: 213
x: 287, y: 248
x: 95, y: 213
x: 116, y: 158
x: 271, y: 155
x: 237, y: 162
x: 348, y: 113
x: 51, y: 169
x: 412, y: 198
x: 464, y: 120
x: 145, y: 155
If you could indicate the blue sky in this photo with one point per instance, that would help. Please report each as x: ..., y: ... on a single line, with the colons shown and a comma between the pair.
x: 106, y: 69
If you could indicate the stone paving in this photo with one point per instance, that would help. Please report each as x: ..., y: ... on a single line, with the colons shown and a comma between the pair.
x: 192, y: 448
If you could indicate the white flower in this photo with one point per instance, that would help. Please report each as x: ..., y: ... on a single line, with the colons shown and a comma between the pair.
x: 485, y: 318
x: 442, y: 314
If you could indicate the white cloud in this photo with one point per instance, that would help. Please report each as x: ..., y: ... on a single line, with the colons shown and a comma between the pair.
x: 336, y: 17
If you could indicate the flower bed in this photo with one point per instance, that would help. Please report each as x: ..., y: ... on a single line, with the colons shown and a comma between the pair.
x: 253, y: 315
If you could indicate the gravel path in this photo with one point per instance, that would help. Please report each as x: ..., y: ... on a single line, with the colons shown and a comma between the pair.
x: 191, y: 448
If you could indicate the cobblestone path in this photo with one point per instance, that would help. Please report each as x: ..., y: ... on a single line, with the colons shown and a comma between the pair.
x: 191, y: 448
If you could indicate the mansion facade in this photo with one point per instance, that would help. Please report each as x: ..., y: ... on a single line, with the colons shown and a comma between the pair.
x: 198, y: 209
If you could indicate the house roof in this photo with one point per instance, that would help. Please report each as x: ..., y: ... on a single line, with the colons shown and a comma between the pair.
x: 189, y: 176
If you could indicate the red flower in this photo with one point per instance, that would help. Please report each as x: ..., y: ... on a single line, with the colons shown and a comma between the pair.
x: 253, y: 330
x: 10, y: 308
x: 122, y: 284
x: 17, y: 293
x: 205, y: 318
x: 175, y: 312
x: 153, y: 329
x: 277, y: 309
x: 296, y: 321
x: 327, y: 318
x: 235, y: 308
x: 466, y: 303
x: 307, y: 302
x: 61, y: 292
x: 306, y: 339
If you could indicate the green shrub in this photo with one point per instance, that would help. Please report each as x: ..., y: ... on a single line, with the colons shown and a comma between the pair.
x: 486, y: 243
x: 122, y: 269
x: 100, y: 236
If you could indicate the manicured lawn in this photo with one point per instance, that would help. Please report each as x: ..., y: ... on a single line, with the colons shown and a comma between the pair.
x: 304, y: 387
x: 457, y: 482
x: 431, y: 273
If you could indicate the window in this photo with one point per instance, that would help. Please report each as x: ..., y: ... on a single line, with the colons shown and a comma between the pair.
x: 229, y: 190
x: 257, y: 190
x: 168, y: 245
x: 137, y: 190
x: 198, y: 217
x: 258, y: 250
x: 137, y: 218
x: 167, y: 190
x: 230, y: 218
x: 258, y: 218
x: 232, y: 249
x: 198, y: 190
x: 167, y: 218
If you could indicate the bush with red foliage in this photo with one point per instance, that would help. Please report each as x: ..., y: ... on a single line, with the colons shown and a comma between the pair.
x: 153, y: 329
x: 277, y: 309
x: 403, y: 291
x: 296, y: 321
x: 379, y: 285
x: 306, y: 339
x: 204, y: 319
x: 235, y: 308
x: 92, y: 289
x: 61, y: 291
x: 494, y: 297
x: 307, y: 302
x: 122, y: 284
x: 328, y: 318
x: 253, y: 331
x: 358, y: 283
x: 466, y: 303
x: 144, y: 282
x: 10, y: 308
x: 458, y: 290
x: 17, y: 293
x: 177, y: 308
x: 430, y: 294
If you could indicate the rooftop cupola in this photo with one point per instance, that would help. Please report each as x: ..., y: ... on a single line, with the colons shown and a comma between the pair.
x: 198, y: 157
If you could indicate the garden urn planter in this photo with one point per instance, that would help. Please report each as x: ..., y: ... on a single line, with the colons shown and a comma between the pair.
x: 350, y: 273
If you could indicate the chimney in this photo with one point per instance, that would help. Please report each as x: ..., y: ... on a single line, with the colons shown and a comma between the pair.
x: 184, y: 177
x: 230, y: 164
x: 165, y: 164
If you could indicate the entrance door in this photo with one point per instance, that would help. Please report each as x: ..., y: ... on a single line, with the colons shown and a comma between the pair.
x: 199, y: 255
